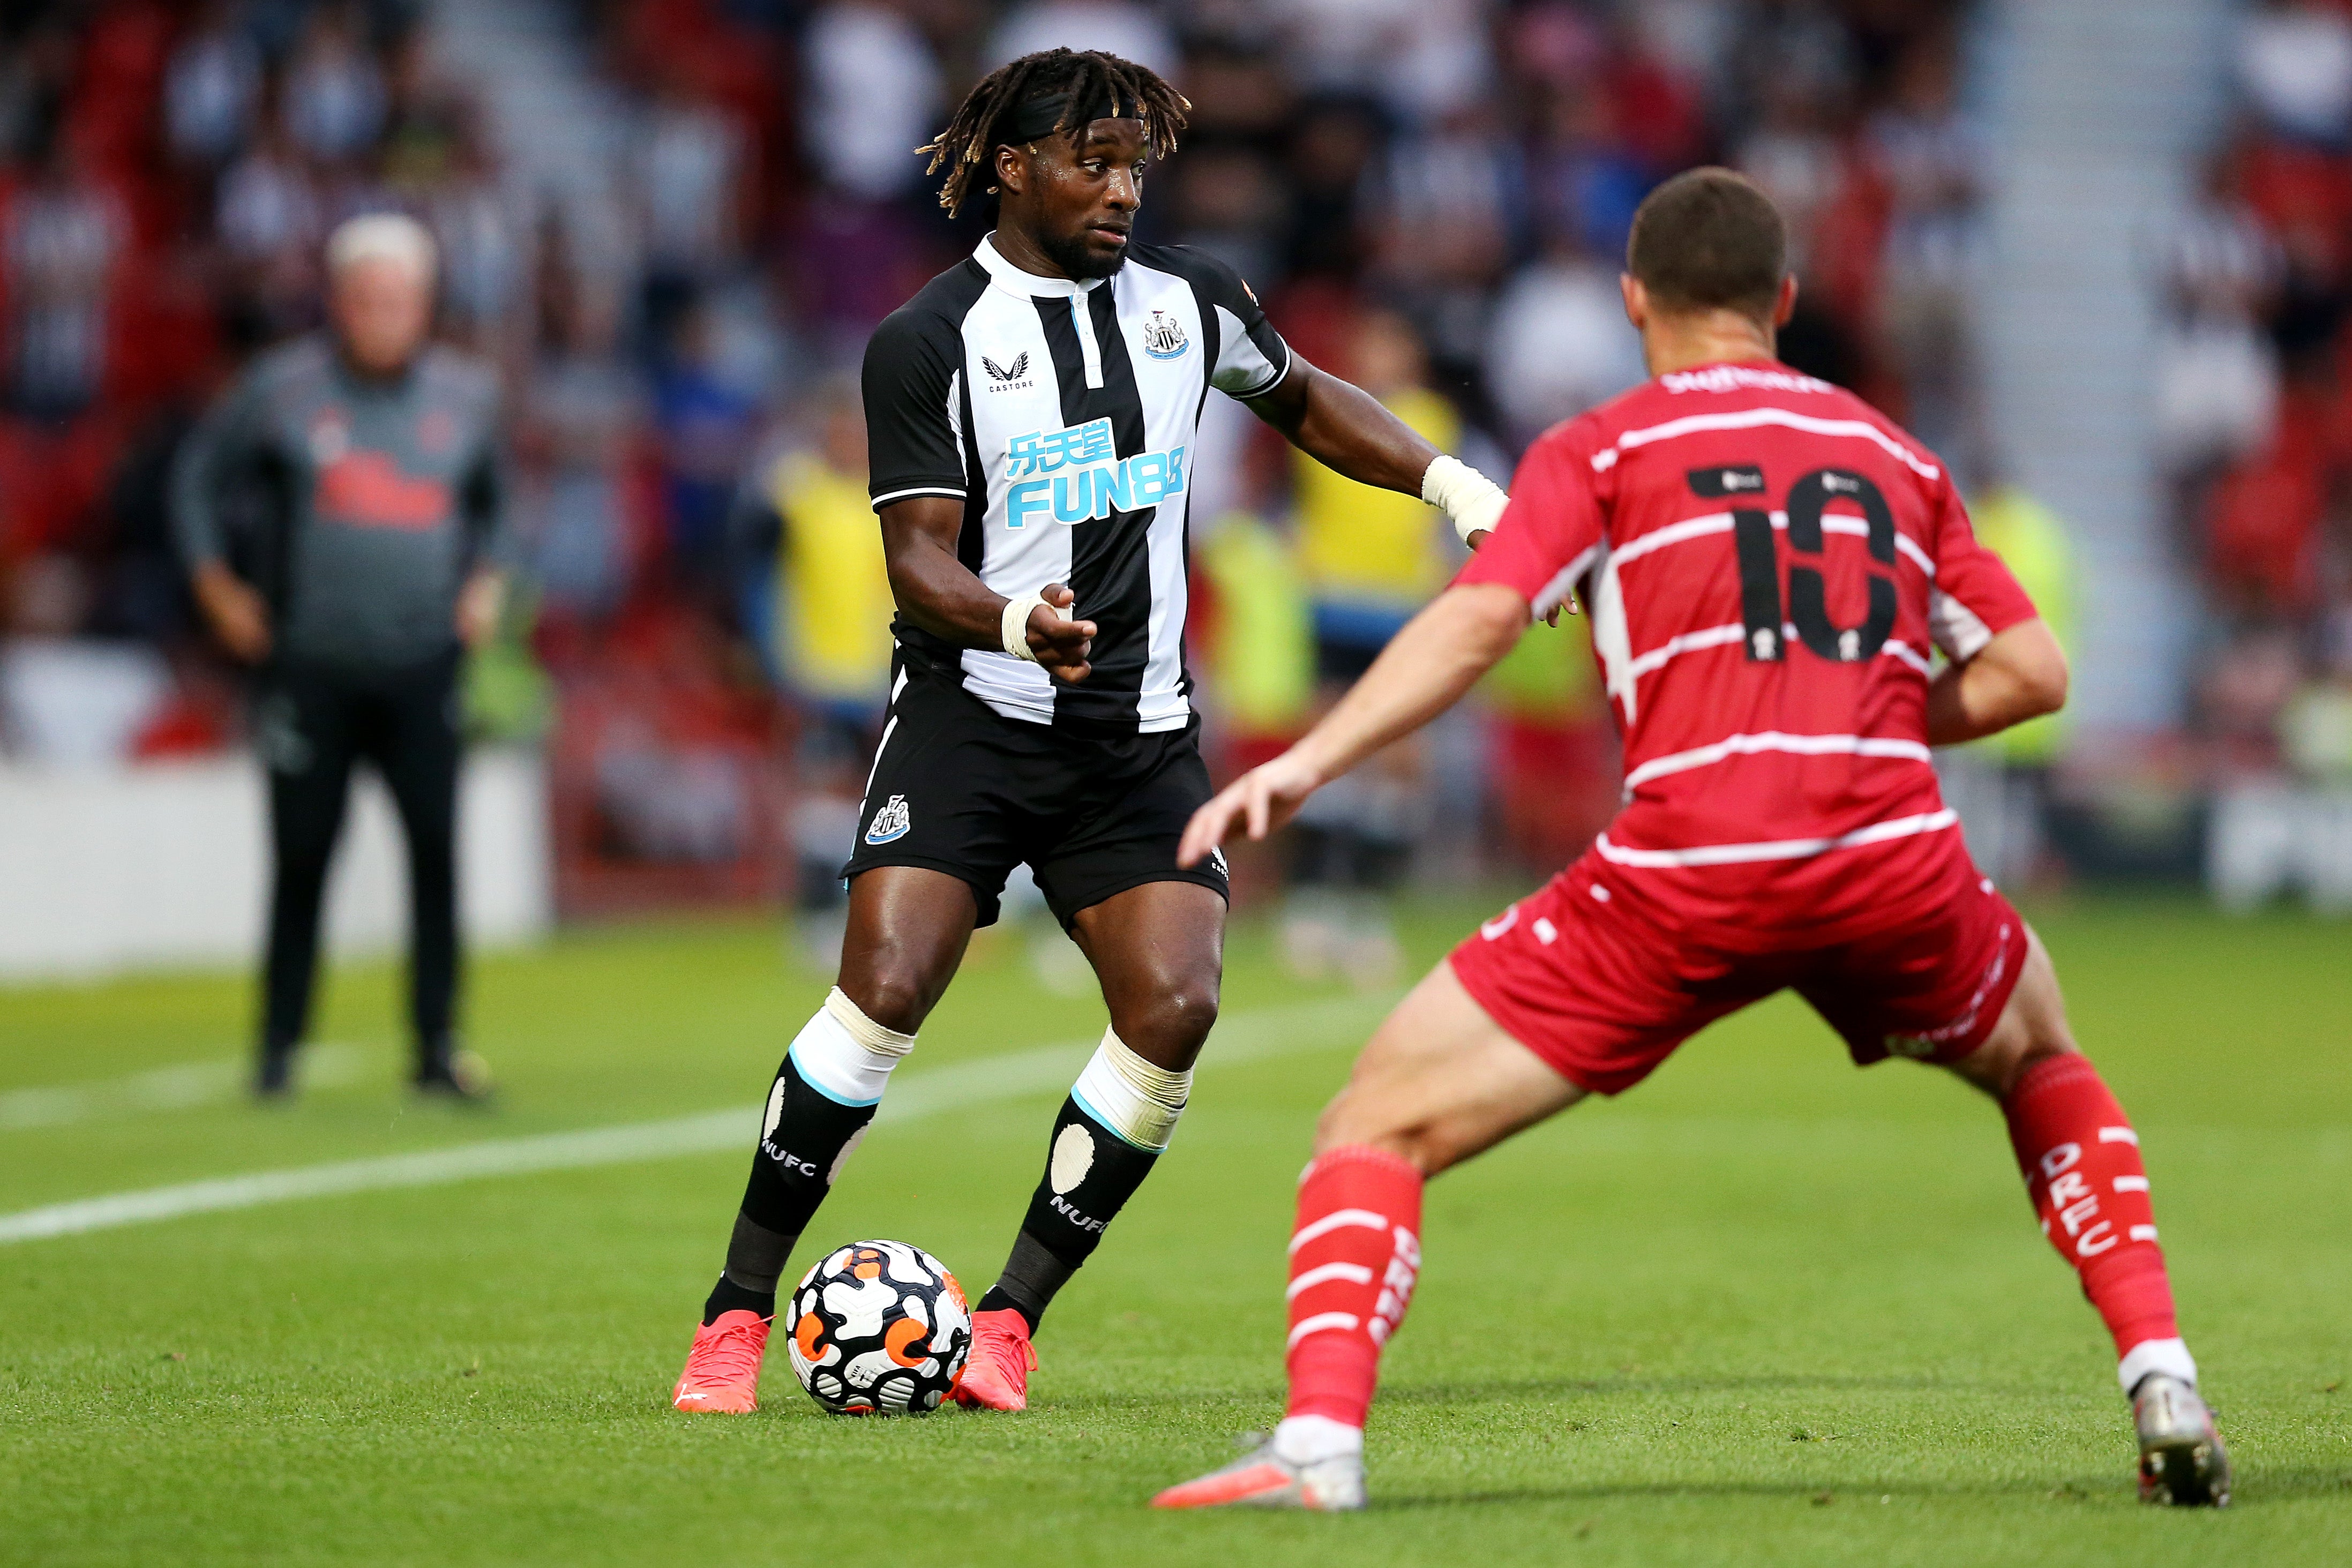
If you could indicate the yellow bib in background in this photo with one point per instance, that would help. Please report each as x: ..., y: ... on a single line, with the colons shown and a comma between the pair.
x: 833, y: 588
x: 1358, y: 542
x: 2032, y: 542
x: 1260, y: 642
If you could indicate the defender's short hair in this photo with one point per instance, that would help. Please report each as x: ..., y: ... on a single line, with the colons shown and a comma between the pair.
x: 1709, y: 239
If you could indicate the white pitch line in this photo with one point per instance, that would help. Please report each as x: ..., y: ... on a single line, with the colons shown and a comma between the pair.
x: 180, y: 1088
x: 1247, y: 1036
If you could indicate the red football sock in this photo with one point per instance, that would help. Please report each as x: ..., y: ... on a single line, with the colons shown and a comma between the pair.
x: 2083, y: 1171
x: 1353, y: 1259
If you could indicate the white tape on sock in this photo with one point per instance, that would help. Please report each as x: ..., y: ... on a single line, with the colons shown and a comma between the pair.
x: 1127, y: 1094
x: 2169, y: 1356
x: 846, y: 1056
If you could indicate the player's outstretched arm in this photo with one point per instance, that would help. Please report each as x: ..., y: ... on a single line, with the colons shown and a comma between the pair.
x: 2019, y: 674
x: 1425, y: 670
x: 946, y: 597
x: 1346, y: 429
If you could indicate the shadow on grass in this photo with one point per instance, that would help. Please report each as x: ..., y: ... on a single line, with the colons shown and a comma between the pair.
x: 1527, y: 1388
x: 2255, y: 1489
x: 1768, y: 1382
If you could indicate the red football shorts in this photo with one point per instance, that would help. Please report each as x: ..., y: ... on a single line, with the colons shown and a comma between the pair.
x: 1603, y: 991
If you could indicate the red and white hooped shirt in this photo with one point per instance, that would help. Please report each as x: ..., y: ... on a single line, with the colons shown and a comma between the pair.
x: 1770, y: 564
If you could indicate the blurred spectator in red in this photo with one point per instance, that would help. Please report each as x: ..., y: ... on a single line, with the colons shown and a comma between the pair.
x: 2262, y: 522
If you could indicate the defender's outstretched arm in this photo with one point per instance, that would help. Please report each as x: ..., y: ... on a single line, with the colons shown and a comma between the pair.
x: 2019, y: 674
x: 1424, y: 670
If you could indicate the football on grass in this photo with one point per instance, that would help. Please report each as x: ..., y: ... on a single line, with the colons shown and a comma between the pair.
x: 878, y: 1328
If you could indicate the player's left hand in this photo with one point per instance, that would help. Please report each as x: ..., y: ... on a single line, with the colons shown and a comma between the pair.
x: 1263, y: 800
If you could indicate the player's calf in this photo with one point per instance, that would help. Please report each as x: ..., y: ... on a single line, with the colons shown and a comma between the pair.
x: 1112, y: 1129
x: 1439, y: 1082
x: 2081, y: 1159
x: 818, y: 1109
x: 1159, y: 951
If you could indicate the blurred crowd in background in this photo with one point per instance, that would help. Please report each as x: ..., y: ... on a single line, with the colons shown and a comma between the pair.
x: 2256, y: 425
x: 1431, y: 197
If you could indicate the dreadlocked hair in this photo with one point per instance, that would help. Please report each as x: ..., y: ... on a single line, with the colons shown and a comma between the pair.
x: 1086, y: 75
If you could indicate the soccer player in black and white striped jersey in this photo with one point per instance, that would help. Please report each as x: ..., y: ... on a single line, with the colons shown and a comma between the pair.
x: 1032, y: 415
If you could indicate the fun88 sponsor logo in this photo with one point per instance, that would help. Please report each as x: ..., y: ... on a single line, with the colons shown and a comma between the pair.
x: 1084, y: 482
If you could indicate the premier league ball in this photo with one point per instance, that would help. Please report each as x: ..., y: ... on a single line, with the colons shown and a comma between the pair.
x: 878, y: 1328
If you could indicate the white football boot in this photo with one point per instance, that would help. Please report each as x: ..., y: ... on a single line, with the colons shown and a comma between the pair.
x: 1264, y: 1478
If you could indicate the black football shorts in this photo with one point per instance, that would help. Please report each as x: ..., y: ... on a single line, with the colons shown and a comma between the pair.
x: 960, y: 789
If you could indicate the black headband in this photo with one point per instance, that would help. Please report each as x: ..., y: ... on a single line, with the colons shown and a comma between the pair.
x: 1029, y: 120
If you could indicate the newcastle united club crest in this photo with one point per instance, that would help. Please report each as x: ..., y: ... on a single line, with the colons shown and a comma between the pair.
x: 1163, y: 336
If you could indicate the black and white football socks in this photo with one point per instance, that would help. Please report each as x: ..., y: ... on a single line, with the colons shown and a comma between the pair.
x: 1113, y: 1128
x: 819, y: 1107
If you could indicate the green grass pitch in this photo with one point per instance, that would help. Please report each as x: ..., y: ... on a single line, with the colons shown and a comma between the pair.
x: 1763, y: 1310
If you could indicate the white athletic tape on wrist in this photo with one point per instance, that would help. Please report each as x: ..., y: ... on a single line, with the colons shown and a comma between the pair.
x: 1468, y: 498
x: 843, y: 1055
x: 1015, y: 628
x: 2169, y: 1356
x: 1127, y: 1094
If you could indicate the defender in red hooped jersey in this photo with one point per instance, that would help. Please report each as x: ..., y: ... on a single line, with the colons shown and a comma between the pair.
x: 1770, y: 566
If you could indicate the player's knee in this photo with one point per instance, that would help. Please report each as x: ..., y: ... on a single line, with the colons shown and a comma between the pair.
x: 896, y: 995
x: 1170, y: 1024
x: 1355, y: 1119
x: 1997, y: 1066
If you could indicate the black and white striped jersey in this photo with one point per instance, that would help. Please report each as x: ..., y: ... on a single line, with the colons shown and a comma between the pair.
x: 1063, y: 416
